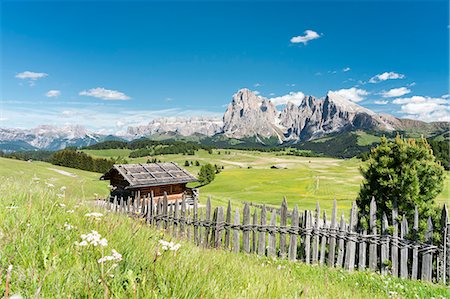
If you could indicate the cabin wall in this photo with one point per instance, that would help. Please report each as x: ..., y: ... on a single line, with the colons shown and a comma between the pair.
x: 159, y: 190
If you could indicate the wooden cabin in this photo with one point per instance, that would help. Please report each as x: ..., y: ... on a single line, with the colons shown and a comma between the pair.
x: 141, y: 180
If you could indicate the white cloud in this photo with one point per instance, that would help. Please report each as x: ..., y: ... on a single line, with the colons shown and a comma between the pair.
x: 293, y: 97
x: 309, y: 35
x: 425, y: 108
x: 395, y: 92
x: 257, y: 84
x: 53, y: 93
x: 446, y: 96
x: 346, y: 69
x: 31, y: 75
x: 104, y: 94
x: 386, y: 76
x: 381, y: 102
x: 353, y: 94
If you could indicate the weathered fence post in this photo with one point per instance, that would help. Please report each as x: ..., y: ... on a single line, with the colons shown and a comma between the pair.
x: 294, y: 235
x: 262, y: 233
x: 195, y: 216
x: 175, y: 219
x: 246, y: 229
x: 340, y: 256
x: 189, y: 223
x: 236, y: 232
x: 324, y: 239
x: 404, y: 250
x: 362, y: 251
x: 219, y: 227
x: 394, y: 248
x: 332, y: 249
x: 427, y: 256
x: 182, y: 221
x: 315, y: 238
x: 351, y: 245
x: 171, y: 219
x: 272, y: 250
x: 283, y: 222
x: 442, y: 265
x: 254, y: 234
x: 373, y: 256
x: 149, y: 208
x: 158, y: 213
x: 308, y: 221
x: 415, y: 251
x: 384, y: 245
x: 207, y: 221
x: 165, y: 206
x: 227, y: 228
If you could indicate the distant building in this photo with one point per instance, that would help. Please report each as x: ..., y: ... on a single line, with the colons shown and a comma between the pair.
x: 141, y: 180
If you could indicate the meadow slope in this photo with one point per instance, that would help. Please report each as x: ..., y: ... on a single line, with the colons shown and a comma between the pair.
x: 45, y: 212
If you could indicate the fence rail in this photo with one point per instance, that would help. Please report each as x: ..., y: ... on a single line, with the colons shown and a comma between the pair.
x: 309, y: 237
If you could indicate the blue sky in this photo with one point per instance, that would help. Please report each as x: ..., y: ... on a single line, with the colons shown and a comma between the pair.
x: 107, y: 65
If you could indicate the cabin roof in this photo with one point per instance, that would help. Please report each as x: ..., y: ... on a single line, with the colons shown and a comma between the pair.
x: 151, y: 174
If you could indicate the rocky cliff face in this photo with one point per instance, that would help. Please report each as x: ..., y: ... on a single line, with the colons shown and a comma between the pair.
x: 182, y: 126
x: 250, y: 115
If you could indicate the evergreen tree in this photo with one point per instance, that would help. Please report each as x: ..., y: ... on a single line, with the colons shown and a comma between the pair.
x: 404, y: 172
x: 197, y: 163
x: 207, y: 174
x: 186, y: 163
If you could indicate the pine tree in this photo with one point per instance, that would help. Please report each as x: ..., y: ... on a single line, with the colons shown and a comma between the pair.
x: 186, y: 163
x: 402, y: 172
x: 207, y: 174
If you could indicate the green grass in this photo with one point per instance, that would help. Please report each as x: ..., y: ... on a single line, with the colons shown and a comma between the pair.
x: 46, y: 263
x: 303, y: 181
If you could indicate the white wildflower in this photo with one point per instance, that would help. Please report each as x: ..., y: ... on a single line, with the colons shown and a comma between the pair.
x: 60, y: 195
x: 35, y: 178
x: 12, y: 207
x: 94, y: 215
x: 70, y: 211
x: 61, y: 204
x: 68, y: 226
x: 15, y: 296
x: 114, y: 257
x: 169, y: 245
x: 10, y: 267
x: 63, y: 188
x: 94, y: 239
x: 50, y: 185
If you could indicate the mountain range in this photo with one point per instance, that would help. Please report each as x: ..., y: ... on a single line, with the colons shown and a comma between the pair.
x: 247, y: 116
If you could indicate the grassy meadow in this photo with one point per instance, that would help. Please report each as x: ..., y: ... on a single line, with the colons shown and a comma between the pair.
x: 45, y: 210
x: 247, y: 176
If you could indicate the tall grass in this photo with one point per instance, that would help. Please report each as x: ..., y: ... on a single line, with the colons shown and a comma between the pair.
x: 39, y: 235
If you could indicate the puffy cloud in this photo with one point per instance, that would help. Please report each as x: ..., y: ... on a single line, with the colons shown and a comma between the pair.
x: 381, y: 102
x: 53, y: 93
x: 425, y: 108
x: 309, y: 35
x: 386, y: 76
x: 104, y: 94
x: 353, y: 94
x: 293, y: 97
x: 395, y: 92
x: 346, y: 69
x: 31, y: 75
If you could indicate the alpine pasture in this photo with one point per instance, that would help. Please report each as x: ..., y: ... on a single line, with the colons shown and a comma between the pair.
x: 56, y: 243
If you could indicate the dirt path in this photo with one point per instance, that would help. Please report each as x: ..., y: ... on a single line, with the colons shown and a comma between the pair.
x: 63, y: 172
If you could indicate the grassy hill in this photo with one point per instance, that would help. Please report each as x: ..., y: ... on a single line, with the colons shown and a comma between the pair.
x: 41, y: 224
x: 247, y: 176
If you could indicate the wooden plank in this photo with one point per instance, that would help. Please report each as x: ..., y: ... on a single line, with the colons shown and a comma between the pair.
x: 333, y: 224
x: 404, y: 250
x: 442, y: 265
x: 384, y: 245
x: 195, y: 219
x: 246, y: 229
x: 236, y: 233
x: 201, y: 230
x: 212, y: 239
x: 165, y: 209
x: 170, y: 221
x: 219, y: 227
x: 415, y: 250
x: 272, y: 250
x: 340, y: 255
x: 283, y: 222
x: 293, y: 237
x: 362, y: 252
x: 427, y: 256
x: 207, y: 222
x: 351, y: 245
x: 373, y: 254
x: 315, y: 235
x: 149, y: 209
x: 254, y: 234
x: 158, y: 214
x: 308, y: 220
x: 262, y: 233
x: 324, y: 240
x: 227, y: 229
x: 183, y: 216
x: 189, y: 224
x: 175, y: 218
x: 394, y: 247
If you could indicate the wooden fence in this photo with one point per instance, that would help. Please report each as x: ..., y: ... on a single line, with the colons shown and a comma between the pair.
x: 308, y: 236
